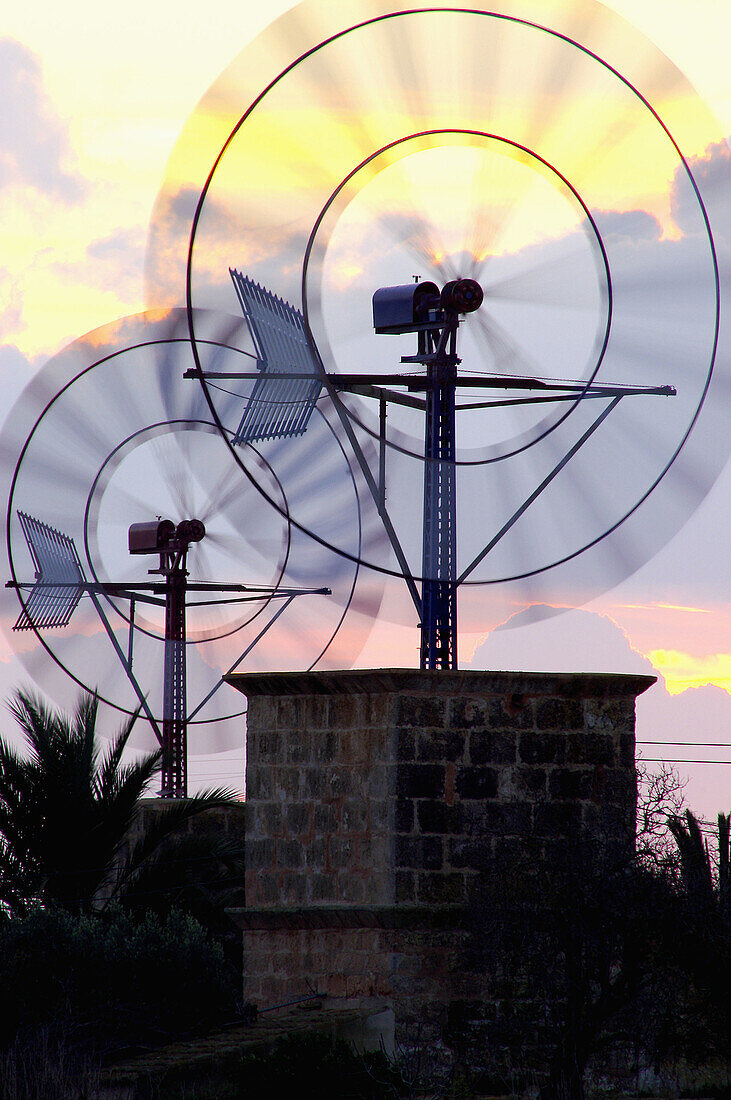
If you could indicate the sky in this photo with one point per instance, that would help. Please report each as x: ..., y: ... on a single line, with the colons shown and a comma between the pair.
x: 100, y: 98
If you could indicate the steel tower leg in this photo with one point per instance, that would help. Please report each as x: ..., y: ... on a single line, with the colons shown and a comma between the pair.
x: 439, y: 592
x: 174, y: 752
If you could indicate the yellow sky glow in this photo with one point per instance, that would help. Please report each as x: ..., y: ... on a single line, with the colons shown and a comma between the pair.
x: 655, y: 629
x: 685, y: 670
x: 124, y: 99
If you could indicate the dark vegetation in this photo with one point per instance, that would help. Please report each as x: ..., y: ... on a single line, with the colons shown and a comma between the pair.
x: 316, y: 1066
x: 108, y: 947
x: 110, y: 981
x: 631, y: 953
x: 104, y: 944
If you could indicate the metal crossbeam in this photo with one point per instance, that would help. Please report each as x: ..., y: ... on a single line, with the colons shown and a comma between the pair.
x: 372, y: 384
x: 281, y: 406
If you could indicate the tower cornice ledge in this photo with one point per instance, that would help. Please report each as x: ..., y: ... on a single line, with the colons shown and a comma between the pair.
x: 467, y: 682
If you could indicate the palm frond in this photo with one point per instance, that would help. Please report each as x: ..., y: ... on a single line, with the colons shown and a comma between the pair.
x: 37, y: 721
x: 695, y: 864
x: 107, y: 774
x: 724, y: 866
x: 83, y: 733
x: 168, y: 821
x: 66, y: 808
x: 203, y: 868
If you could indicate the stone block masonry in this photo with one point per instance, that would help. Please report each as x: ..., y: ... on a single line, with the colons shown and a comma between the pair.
x: 376, y: 800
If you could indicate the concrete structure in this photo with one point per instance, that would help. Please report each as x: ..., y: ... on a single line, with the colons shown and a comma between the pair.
x: 378, y: 801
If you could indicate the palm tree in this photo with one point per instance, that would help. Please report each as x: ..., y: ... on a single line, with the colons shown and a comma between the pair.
x: 66, y: 809
x: 696, y: 871
x: 706, y: 945
x: 709, y: 893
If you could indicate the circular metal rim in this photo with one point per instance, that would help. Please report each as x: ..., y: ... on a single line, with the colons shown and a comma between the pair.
x: 597, y: 236
x: 93, y: 691
x: 91, y: 513
x: 190, y: 309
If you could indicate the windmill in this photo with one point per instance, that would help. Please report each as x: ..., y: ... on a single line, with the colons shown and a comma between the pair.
x: 60, y: 583
x: 477, y: 156
x: 283, y: 398
x: 114, y: 442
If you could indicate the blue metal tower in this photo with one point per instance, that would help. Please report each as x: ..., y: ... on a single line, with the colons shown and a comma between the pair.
x: 421, y: 308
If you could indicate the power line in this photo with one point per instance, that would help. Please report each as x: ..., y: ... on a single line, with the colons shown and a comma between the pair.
x: 672, y: 760
x: 698, y: 744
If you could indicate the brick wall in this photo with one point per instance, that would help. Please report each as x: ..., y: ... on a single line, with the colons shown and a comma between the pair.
x: 377, y: 801
x: 319, y: 792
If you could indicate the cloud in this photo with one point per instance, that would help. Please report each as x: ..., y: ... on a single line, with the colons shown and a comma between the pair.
x: 270, y: 253
x: 711, y: 172
x: 575, y: 641
x: 635, y: 225
x: 11, y: 306
x: 683, y: 670
x: 112, y: 264
x: 118, y: 260
x: 15, y: 373
x: 34, y: 143
x: 585, y: 641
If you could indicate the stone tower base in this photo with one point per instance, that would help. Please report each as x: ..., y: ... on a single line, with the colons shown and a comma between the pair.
x: 378, y: 801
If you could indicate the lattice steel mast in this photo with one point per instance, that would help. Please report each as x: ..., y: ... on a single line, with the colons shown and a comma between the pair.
x: 172, y: 543
x: 435, y: 317
x: 439, y: 554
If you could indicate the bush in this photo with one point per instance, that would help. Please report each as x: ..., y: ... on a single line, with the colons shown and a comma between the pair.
x: 302, y: 1065
x: 330, y: 1066
x: 110, y: 980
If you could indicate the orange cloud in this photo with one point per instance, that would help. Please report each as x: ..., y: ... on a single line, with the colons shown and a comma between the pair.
x: 664, y: 607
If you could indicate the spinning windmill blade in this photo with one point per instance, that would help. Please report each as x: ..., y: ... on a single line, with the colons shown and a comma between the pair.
x: 96, y: 457
x: 589, y: 227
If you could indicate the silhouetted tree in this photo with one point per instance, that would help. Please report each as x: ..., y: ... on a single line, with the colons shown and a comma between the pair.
x: 66, y: 808
x: 704, y: 894
x: 660, y: 797
x: 706, y: 886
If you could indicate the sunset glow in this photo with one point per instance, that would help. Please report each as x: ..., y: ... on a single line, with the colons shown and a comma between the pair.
x: 684, y: 670
x: 111, y: 136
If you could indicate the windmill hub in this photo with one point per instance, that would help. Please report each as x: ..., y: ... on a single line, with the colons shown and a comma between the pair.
x: 161, y: 535
x: 461, y: 296
x: 190, y: 530
x: 419, y: 306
